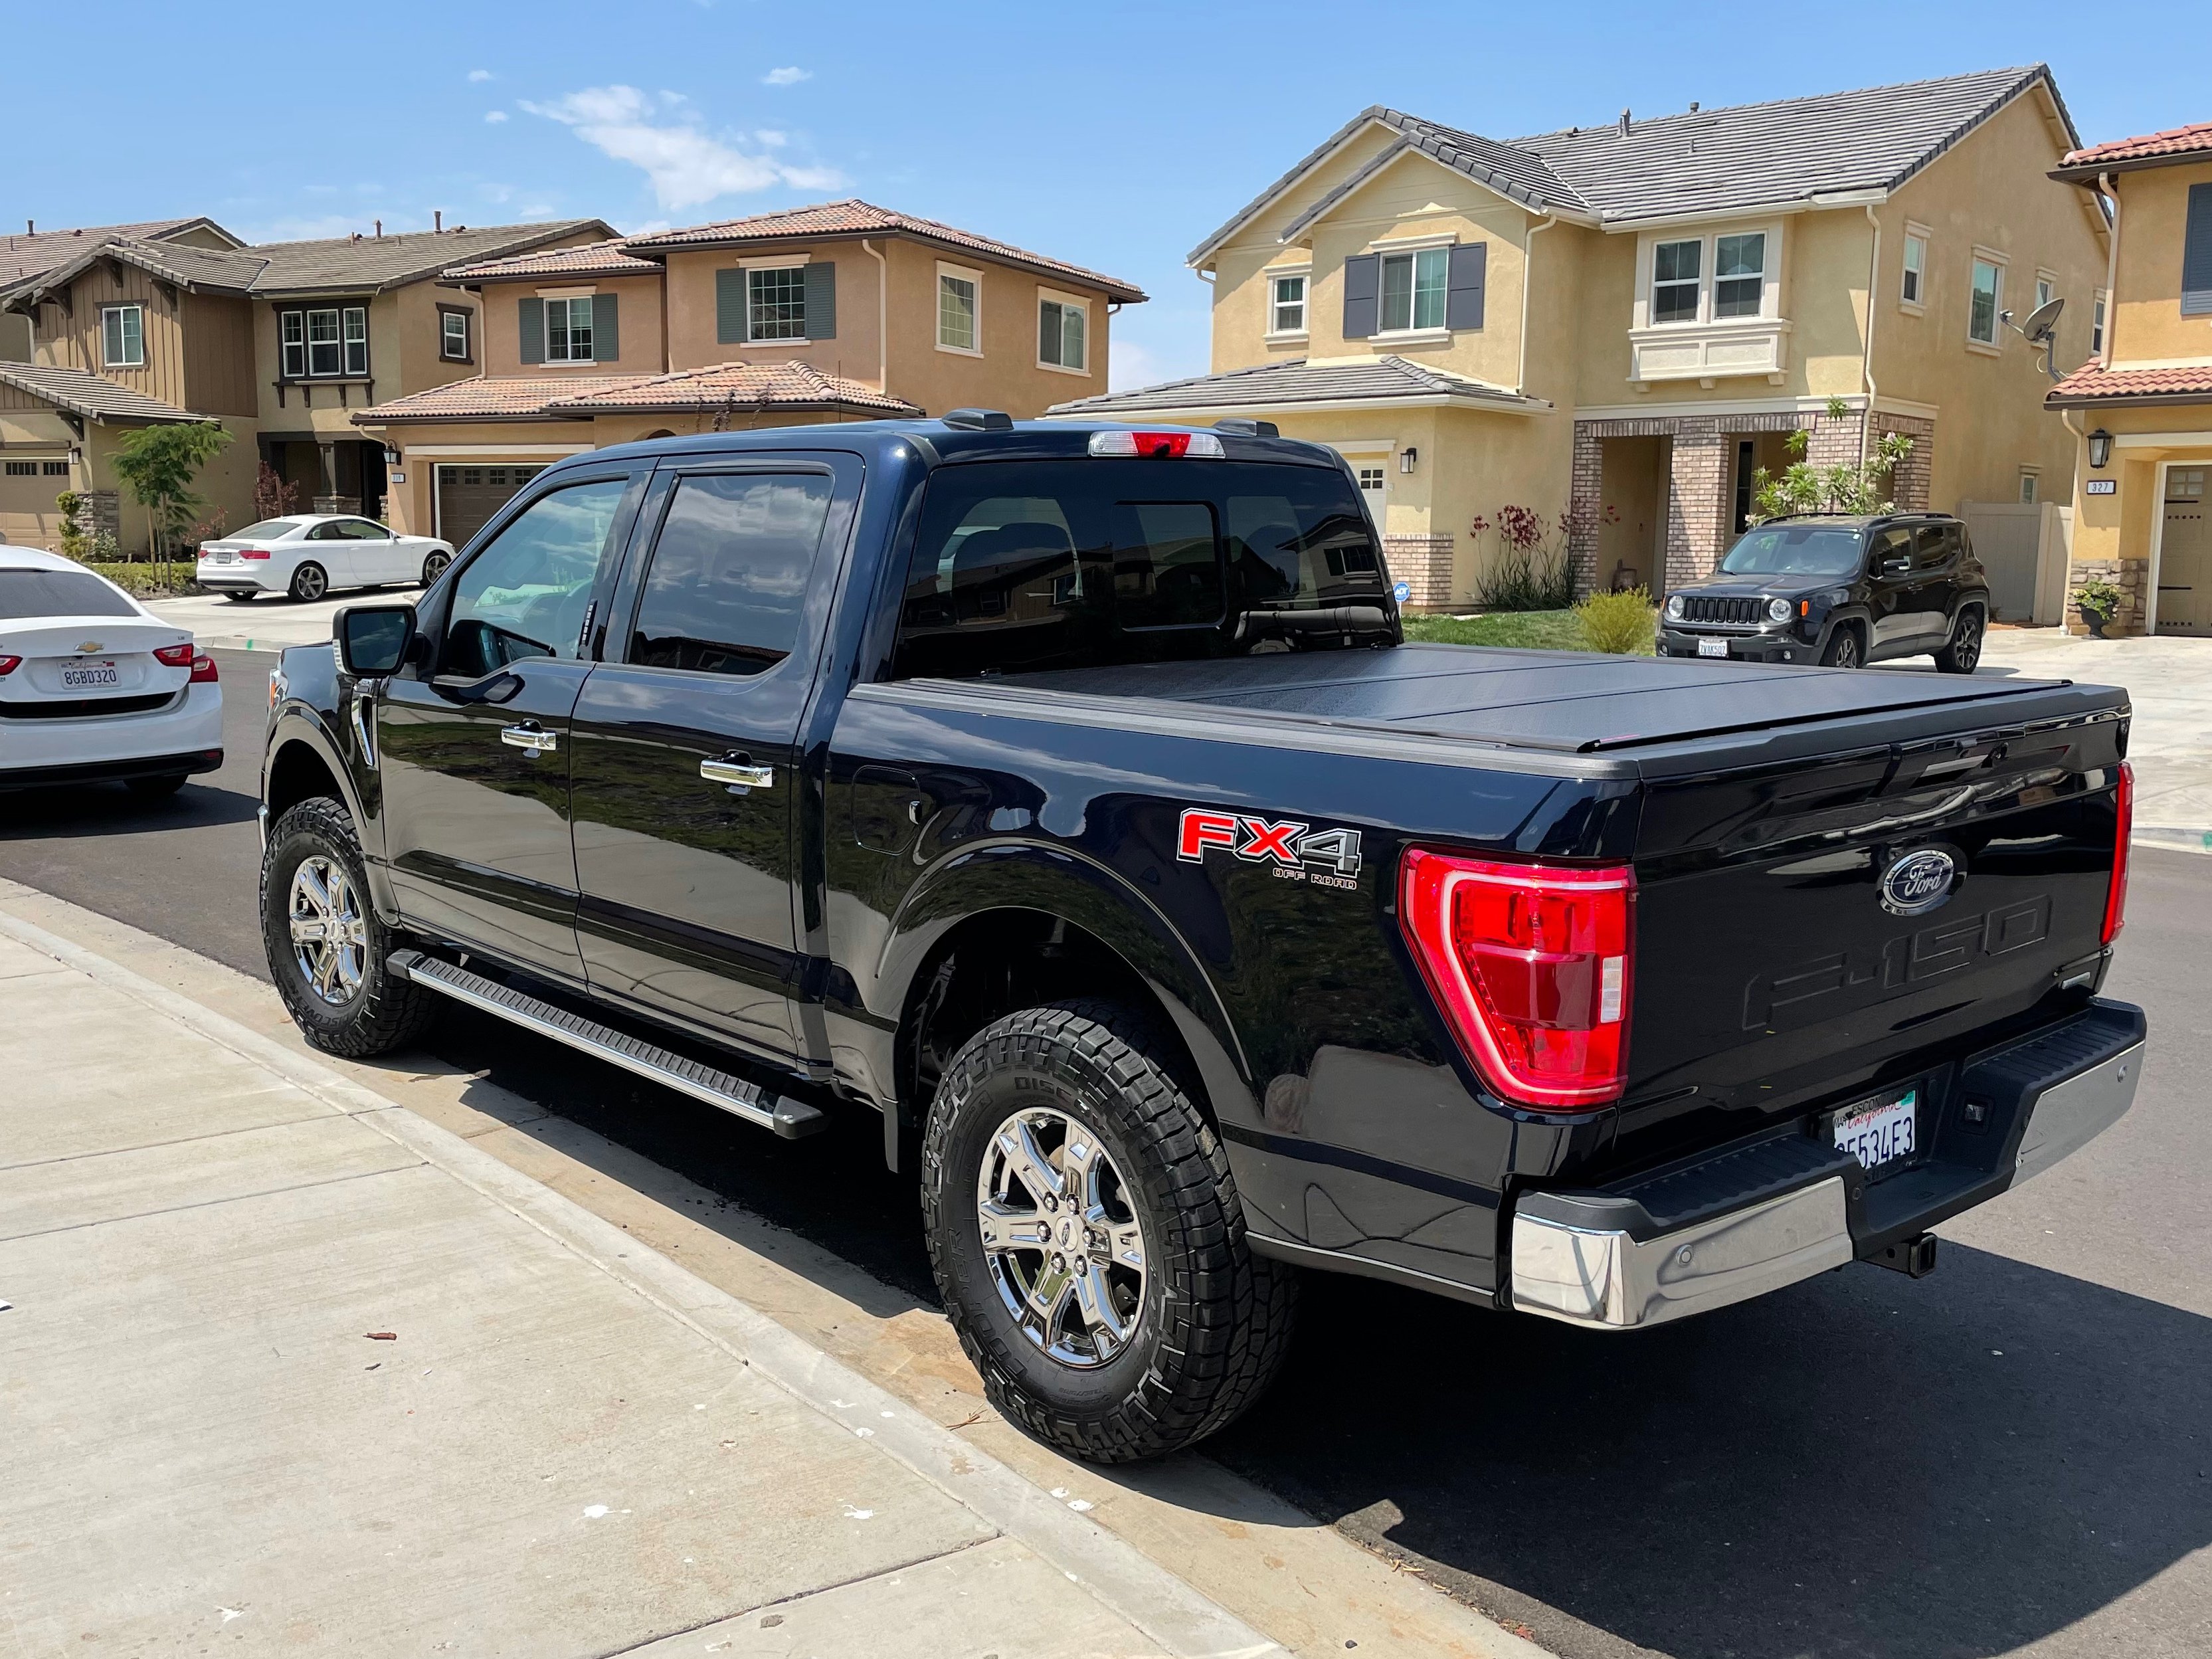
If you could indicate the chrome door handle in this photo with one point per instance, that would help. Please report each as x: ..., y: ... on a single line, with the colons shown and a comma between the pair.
x: 743, y: 774
x: 530, y: 736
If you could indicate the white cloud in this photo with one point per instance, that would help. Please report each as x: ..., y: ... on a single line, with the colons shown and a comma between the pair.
x: 772, y: 138
x: 686, y: 164
x: 785, y: 77
x: 479, y: 74
x: 494, y: 116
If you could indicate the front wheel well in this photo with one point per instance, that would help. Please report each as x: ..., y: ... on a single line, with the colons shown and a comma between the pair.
x: 298, y: 774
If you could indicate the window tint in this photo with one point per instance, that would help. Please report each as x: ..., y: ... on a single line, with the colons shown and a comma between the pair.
x: 361, y: 530
x: 730, y: 571
x: 1063, y: 564
x: 269, y: 529
x: 1794, y: 549
x: 1889, y: 545
x: 526, y: 594
x: 1934, y: 545
x: 58, y: 594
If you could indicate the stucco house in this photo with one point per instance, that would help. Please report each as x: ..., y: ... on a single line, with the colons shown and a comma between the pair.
x: 278, y: 343
x: 2140, y: 412
x: 1628, y: 320
x: 840, y: 311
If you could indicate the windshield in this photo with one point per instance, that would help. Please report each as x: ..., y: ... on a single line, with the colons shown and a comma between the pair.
x: 271, y: 528
x: 1794, y: 549
x: 26, y: 593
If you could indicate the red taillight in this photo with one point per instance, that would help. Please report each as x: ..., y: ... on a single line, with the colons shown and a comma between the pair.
x: 174, y: 656
x: 252, y: 552
x: 9, y: 665
x: 1158, y: 445
x: 1532, y: 965
x: 2115, y: 897
x: 202, y: 670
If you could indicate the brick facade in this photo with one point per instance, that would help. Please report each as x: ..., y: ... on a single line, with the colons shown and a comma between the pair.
x: 1908, y: 483
x: 1424, y: 563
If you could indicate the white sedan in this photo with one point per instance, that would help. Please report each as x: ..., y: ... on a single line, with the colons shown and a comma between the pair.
x: 94, y: 686
x: 309, y: 553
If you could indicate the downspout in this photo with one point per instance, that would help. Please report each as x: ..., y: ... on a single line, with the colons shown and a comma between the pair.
x: 883, y: 316
x: 1528, y: 266
x: 2110, y: 193
x: 1866, y: 356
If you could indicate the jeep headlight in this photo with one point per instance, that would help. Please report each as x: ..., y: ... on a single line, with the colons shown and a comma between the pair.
x: 1777, y: 611
x: 1674, y: 607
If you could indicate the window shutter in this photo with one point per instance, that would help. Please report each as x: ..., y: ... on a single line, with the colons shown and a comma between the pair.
x: 730, y: 307
x: 606, y: 330
x: 2196, y: 253
x: 1463, y: 284
x: 821, y: 300
x: 533, y: 330
x: 1363, y: 275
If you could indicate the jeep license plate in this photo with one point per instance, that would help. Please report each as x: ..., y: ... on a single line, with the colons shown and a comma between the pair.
x: 1880, y: 1132
x: 1712, y: 647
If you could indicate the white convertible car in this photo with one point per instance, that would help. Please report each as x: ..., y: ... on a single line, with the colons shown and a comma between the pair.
x: 93, y: 685
x: 309, y: 553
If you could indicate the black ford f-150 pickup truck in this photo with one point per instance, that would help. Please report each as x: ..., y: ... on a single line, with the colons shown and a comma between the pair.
x: 1068, y: 795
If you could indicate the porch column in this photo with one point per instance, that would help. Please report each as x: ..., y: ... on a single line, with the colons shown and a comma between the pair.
x: 1586, y: 504
x: 329, y: 500
x: 1698, y: 506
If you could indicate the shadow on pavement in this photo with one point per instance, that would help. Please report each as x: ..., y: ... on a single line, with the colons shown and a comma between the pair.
x: 109, y: 809
x: 1864, y: 1465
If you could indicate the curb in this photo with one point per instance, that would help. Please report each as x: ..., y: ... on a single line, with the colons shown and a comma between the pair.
x: 2172, y: 841
x: 1165, y: 1608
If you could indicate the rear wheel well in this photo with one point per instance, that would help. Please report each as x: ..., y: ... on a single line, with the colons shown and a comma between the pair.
x: 298, y: 774
x: 1000, y: 961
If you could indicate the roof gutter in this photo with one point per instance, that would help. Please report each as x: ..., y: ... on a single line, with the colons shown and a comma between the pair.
x: 1866, y: 351
x: 883, y: 316
x: 1528, y: 272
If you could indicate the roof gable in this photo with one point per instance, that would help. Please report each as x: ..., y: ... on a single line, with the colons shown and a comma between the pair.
x: 34, y: 252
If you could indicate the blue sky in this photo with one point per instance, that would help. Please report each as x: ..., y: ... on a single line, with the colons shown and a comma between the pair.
x: 1114, y: 135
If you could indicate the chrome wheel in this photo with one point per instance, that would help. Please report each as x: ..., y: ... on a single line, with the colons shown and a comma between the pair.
x: 434, y: 566
x: 310, y: 582
x: 329, y: 936
x: 1061, y: 1237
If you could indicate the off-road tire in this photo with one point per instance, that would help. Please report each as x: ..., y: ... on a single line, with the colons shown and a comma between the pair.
x: 1215, y: 1321
x: 1962, y: 653
x: 310, y: 582
x: 383, y: 1013
x: 1845, y: 642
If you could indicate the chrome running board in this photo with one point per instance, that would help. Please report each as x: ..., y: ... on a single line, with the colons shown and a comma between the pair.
x: 792, y: 1119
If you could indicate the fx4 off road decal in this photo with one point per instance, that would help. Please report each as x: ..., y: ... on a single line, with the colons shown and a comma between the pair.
x: 1293, y: 850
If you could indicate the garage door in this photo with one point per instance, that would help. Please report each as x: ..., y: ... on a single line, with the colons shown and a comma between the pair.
x: 469, y: 495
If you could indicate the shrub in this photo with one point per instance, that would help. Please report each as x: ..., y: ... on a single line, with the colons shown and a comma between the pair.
x: 1532, y: 571
x: 75, y: 543
x: 1620, y: 624
x: 2098, y: 595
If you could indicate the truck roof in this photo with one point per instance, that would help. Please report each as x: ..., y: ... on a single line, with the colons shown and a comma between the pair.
x: 941, y: 442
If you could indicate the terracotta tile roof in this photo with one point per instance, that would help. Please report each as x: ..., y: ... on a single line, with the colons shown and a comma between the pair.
x: 96, y: 396
x: 28, y: 253
x: 490, y: 397
x: 2151, y: 149
x: 605, y: 259
x: 1380, y: 380
x: 2191, y: 384
x: 738, y: 387
x: 854, y: 217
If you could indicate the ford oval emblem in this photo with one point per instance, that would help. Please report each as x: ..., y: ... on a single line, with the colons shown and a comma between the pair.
x: 1917, y: 882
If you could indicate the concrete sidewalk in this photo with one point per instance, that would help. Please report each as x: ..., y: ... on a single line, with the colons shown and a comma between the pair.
x: 290, y: 1368
x: 270, y: 622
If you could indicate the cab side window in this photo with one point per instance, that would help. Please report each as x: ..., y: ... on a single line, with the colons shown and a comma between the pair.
x: 731, y: 568
x: 525, y: 595
x: 1890, y: 544
x: 1934, y: 546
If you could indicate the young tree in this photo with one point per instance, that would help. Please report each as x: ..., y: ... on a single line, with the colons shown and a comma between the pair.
x: 1804, y: 488
x: 158, y: 465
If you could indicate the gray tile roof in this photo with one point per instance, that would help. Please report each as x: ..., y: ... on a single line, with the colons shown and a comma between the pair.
x: 28, y: 253
x: 1377, y: 380
x: 1707, y: 161
x: 81, y: 391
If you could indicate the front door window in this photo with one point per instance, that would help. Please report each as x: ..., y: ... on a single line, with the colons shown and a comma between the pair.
x: 526, y: 594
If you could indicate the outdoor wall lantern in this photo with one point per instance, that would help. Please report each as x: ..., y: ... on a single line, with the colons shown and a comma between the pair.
x: 391, y: 457
x: 2100, y: 448
x: 76, y: 456
x: 1407, y: 458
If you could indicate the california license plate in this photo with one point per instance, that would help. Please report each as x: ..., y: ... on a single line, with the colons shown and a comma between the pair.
x: 225, y: 557
x: 1880, y: 1132
x: 88, y: 676
x: 1712, y: 647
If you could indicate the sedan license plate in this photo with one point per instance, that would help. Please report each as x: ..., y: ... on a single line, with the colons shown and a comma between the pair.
x: 223, y: 558
x: 1881, y: 1132
x: 89, y: 676
x: 1712, y: 647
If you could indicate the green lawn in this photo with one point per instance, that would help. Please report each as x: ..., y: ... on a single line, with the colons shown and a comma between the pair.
x: 1546, y: 630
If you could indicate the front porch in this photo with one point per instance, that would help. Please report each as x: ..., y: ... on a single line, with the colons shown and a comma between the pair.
x: 329, y: 474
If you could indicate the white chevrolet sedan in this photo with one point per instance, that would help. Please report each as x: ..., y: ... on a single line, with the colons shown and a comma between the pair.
x: 310, y: 553
x: 94, y: 686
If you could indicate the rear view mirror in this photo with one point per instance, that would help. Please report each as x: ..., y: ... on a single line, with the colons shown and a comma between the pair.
x: 375, y: 640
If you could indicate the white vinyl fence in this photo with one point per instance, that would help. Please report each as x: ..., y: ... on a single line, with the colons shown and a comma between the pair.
x: 2024, y: 546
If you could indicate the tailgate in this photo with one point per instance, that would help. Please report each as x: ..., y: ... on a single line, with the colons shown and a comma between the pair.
x: 1800, y: 932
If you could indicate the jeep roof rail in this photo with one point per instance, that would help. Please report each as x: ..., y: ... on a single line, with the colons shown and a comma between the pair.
x: 980, y: 420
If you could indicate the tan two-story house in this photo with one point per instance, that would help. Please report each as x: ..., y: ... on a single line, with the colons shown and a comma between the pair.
x: 841, y: 311
x: 278, y: 343
x: 2140, y: 412
x: 1622, y: 323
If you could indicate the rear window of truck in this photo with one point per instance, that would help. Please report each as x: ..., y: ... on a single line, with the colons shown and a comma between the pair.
x: 1020, y: 565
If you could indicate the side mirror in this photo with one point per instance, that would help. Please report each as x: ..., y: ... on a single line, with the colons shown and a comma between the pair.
x: 1897, y: 564
x: 375, y: 640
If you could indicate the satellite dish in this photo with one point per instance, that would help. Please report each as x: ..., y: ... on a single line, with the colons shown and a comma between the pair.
x: 2043, y: 322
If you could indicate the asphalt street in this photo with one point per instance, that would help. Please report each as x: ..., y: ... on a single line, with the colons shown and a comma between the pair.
x: 2012, y: 1455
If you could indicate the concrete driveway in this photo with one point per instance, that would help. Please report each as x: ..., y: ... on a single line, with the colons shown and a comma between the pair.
x: 268, y: 623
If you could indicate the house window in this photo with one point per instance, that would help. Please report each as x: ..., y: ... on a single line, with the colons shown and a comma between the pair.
x: 568, y: 330
x: 2027, y: 486
x: 1371, y: 484
x: 322, y: 343
x: 1414, y: 289
x: 2044, y: 287
x: 453, y: 335
x: 1674, y: 273
x: 775, y: 304
x: 956, y: 312
x: 293, y: 326
x: 2097, y: 326
x: 1915, y: 291
x: 1982, y: 311
x: 123, y: 335
x: 1062, y: 325
x: 1287, y: 299
x: 355, y: 320
x: 1739, y: 274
